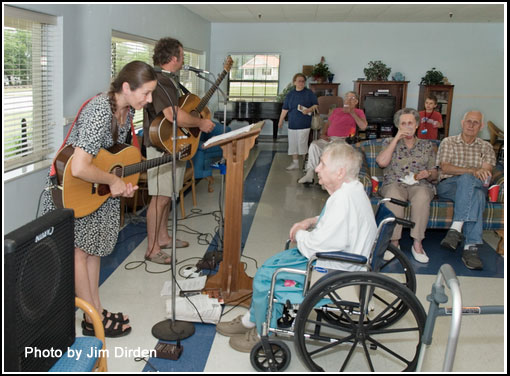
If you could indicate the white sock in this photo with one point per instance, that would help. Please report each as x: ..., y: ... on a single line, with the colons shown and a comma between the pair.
x: 466, y: 247
x: 457, y: 225
x: 247, y: 323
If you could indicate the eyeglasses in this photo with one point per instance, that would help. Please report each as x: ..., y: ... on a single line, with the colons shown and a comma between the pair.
x: 475, y: 123
x: 351, y: 98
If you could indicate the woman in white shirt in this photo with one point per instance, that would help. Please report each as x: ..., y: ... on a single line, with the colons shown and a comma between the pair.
x: 346, y: 224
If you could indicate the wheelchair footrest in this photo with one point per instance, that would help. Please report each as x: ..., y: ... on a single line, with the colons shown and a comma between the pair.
x: 341, y: 256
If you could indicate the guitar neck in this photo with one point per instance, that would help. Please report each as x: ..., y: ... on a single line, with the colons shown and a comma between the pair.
x: 211, y: 91
x: 147, y: 164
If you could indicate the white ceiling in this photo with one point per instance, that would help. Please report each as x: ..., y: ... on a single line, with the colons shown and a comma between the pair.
x: 328, y: 12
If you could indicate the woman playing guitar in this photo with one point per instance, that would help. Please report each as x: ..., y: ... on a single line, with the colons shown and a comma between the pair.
x: 104, y: 121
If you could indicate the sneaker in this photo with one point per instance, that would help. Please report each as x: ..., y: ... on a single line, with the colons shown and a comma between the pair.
x: 232, y: 328
x: 452, y: 240
x: 471, y: 259
x: 293, y: 166
x: 245, y: 342
x: 307, y: 178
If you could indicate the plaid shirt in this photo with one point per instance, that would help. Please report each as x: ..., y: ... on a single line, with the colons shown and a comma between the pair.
x: 455, y: 151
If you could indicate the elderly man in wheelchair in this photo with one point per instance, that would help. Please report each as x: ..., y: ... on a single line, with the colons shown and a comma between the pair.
x: 345, y: 314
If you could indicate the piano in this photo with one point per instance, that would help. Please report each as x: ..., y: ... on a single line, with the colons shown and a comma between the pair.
x: 252, y: 112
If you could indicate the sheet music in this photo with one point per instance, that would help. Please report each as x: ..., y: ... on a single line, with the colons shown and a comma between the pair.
x: 189, y: 284
x: 209, y: 308
x: 234, y: 133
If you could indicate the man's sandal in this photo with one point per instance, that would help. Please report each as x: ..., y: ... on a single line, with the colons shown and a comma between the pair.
x: 159, y: 258
x: 112, y: 331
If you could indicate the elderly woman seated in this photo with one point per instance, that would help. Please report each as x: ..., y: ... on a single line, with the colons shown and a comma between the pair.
x: 341, y: 123
x: 409, y: 167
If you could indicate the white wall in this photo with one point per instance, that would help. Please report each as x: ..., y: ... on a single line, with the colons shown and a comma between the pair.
x: 470, y: 55
x: 86, y: 61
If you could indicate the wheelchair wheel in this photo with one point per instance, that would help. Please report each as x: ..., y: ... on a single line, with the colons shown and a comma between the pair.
x: 358, y: 340
x: 399, y: 268
x: 260, y: 360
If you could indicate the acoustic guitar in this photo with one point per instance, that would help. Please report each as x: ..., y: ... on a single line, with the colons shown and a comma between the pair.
x: 161, y: 132
x: 84, y: 197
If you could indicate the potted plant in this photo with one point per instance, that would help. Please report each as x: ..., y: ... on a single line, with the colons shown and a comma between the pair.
x: 281, y: 97
x: 432, y: 77
x: 377, y: 71
x: 321, y: 71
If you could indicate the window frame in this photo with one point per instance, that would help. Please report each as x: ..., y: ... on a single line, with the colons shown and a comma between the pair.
x: 254, y: 80
x: 187, y: 79
x: 35, y: 141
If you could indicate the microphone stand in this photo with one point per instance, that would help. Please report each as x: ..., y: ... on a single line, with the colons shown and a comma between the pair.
x: 170, y: 329
x: 225, y: 101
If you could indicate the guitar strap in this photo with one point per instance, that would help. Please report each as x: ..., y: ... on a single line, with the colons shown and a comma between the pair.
x: 53, y: 170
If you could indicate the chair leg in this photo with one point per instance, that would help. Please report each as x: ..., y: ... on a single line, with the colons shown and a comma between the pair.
x: 181, y: 199
x: 501, y: 249
x: 135, y: 199
x: 193, y: 192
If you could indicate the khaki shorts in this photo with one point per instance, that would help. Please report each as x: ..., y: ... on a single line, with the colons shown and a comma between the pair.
x: 160, y: 178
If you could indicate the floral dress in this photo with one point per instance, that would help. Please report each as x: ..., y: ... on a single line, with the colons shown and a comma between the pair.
x: 96, y: 233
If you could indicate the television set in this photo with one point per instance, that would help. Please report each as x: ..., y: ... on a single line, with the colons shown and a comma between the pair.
x: 379, y: 109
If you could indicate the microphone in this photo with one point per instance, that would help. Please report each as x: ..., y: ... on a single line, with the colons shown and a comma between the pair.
x: 193, y: 69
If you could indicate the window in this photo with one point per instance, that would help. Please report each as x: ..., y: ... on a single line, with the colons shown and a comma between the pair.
x: 189, y: 79
x: 254, y: 77
x: 28, y: 110
x: 126, y: 48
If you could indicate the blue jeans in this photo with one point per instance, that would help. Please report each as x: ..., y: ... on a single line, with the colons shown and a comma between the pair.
x: 469, y: 197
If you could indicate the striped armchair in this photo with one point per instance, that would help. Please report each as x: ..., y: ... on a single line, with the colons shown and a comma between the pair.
x: 441, y: 211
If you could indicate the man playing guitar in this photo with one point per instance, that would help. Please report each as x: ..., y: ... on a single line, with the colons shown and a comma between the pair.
x: 168, y: 58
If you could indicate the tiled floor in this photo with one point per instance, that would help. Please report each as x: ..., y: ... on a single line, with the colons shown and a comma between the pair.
x: 136, y: 291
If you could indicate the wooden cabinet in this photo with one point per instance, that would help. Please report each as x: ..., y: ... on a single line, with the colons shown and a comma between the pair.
x: 397, y: 89
x: 444, y: 95
x: 324, y: 89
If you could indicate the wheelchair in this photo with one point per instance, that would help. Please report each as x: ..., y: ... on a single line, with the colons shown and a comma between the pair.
x: 350, y: 321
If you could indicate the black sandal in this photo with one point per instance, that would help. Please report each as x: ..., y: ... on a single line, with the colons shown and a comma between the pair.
x: 113, y: 331
x: 118, y: 317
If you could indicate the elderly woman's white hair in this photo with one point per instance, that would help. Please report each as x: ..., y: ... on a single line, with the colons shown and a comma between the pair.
x: 405, y: 111
x: 343, y: 155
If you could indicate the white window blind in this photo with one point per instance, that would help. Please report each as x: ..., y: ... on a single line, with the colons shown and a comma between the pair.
x: 189, y: 79
x: 126, y: 48
x: 28, y: 109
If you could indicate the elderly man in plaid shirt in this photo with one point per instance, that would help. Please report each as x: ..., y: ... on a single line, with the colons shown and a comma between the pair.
x: 466, y: 163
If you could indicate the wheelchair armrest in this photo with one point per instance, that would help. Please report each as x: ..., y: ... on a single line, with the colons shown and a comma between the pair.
x: 394, y: 201
x: 341, y: 256
x: 404, y: 222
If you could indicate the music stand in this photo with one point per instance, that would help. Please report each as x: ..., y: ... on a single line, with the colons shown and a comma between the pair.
x: 234, y: 284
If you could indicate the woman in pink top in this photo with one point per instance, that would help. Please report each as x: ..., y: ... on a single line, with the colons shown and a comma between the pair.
x: 341, y: 123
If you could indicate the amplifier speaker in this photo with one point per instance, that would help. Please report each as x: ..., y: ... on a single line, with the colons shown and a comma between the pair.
x: 39, y: 311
